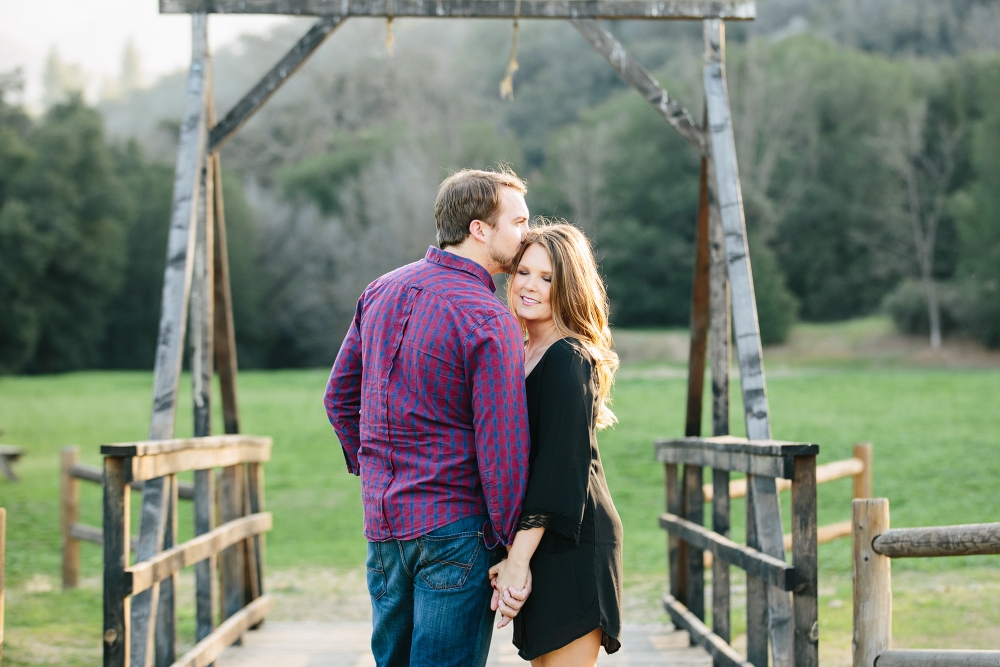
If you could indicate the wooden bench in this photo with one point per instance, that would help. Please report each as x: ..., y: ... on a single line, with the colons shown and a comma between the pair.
x: 8, y: 455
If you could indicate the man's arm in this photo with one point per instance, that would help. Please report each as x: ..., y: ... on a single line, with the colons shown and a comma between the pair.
x: 343, y: 394
x: 500, y: 416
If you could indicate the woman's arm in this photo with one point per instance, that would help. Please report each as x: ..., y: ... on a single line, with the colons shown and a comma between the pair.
x: 511, y: 577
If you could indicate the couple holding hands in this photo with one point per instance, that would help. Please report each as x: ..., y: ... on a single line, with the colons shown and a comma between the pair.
x: 473, y: 427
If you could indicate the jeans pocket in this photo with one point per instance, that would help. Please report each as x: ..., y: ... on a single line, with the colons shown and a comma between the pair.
x: 376, y: 571
x: 446, y: 561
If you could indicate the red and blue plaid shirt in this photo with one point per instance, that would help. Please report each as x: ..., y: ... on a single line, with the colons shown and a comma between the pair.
x: 427, y: 398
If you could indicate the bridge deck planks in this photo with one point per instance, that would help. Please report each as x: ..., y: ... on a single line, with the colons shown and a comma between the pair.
x: 306, y: 644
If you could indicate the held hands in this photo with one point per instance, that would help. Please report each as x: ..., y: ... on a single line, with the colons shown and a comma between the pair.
x: 511, y: 583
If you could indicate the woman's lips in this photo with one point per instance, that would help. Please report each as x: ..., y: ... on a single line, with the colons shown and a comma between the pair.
x: 529, y: 301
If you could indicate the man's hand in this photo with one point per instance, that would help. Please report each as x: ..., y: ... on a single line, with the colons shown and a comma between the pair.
x: 511, y: 583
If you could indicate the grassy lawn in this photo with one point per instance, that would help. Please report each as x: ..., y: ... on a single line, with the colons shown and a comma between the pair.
x: 937, y: 458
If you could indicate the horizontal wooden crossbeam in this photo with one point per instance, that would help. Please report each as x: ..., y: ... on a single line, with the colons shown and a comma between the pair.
x: 768, y: 458
x: 156, y: 458
x: 82, y: 531
x: 89, y: 473
x: 770, y: 569
x: 211, y: 647
x: 722, y: 653
x: 144, y: 574
x: 827, y: 472
x: 730, y: 10
x: 975, y: 539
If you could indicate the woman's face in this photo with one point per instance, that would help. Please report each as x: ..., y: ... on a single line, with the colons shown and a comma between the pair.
x: 532, y: 285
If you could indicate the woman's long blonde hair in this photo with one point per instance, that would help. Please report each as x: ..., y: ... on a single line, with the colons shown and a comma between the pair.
x: 579, y: 302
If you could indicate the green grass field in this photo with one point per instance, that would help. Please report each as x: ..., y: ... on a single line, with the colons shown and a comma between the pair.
x: 937, y: 458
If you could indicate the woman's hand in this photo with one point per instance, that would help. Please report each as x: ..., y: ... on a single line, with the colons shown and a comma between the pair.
x: 511, y: 581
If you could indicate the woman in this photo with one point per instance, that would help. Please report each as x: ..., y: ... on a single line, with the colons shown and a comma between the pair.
x: 569, y: 534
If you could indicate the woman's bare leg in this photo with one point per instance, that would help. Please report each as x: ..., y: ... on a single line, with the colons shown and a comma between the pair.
x: 579, y: 653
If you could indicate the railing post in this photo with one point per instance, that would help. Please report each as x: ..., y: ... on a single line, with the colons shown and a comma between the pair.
x: 863, y: 480
x: 805, y: 609
x: 254, y: 499
x: 694, y: 511
x: 675, y: 547
x: 70, y: 513
x: 204, y: 572
x: 872, y: 582
x: 720, y: 568
x: 757, y: 635
x: 116, y: 549
x: 231, y: 560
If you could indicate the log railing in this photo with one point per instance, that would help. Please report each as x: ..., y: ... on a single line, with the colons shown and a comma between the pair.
x: 237, y: 545
x: 875, y: 544
x: 74, y: 532
x: 858, y: 466
x: 791, y: 625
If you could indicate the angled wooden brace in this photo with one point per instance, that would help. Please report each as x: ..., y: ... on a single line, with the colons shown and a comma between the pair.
x: 278, y: 75
x: 637, y: 75
x: 763, y: 498
x: 158, y: 494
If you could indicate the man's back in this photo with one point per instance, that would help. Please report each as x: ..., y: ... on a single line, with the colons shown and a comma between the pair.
x: 427, y: 398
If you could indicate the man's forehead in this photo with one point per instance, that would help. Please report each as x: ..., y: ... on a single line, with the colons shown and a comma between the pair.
x: 515, y: 201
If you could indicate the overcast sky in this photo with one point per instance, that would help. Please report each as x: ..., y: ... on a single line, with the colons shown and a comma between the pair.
x: 92, y: 34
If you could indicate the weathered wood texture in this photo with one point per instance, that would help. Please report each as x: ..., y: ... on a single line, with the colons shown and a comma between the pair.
x: 720, y: 322
x: 231, y: 560
x: 694, y: 513
x: 754, y: 562
x: 730, y: 10
x: 757, y: 639
x: 204, y: 571
x: 202, y: 302
x: 272, y: 81
x: 863, y: 480
x: 86, y: 533
x: 676, y: 549
x: 166, y: 563
x: 148, y: 448
x: 938, y: 658
x: 145, y: 605
x: 166, y: 616
x: 632, y: 71
x: 225, y: 331
x: 699, y: 316
x: 208, y: 649
x: 872, y: 582
x: 199, y: 458
x: 256, y: 546
x: 827, y: 472
x: 721, y: 620
x: 768, y: 458
x: 722, y: 653
x: 69, y: 505
x: 116, y: 600
x: 805, y: 603
x: 185, y: 490
x: 976, y: 539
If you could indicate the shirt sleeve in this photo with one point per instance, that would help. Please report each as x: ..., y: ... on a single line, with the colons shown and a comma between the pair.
x: 560, y: 474
x: 500, y: 419
x: 343, y: 394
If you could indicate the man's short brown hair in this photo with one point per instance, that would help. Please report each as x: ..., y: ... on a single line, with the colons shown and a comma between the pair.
x: 471, y: 194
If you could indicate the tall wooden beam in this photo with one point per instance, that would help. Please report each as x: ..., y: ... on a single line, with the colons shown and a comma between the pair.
x: 762, y: 490
x: 225, y: 331
x: 730, y: 10
x: 173, y: 323
x: 699, y: 315
x: 274, y: 79
x: 632, y: 71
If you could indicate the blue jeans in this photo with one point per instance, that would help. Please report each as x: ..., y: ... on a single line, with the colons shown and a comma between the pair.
x: 431, y: 598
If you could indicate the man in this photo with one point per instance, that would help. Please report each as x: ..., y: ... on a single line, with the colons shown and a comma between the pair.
x: 427, y: 399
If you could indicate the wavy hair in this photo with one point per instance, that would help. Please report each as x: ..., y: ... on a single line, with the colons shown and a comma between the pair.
x: 578, y: 300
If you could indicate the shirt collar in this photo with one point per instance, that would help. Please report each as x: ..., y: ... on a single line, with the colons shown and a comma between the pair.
x: 453, y: 261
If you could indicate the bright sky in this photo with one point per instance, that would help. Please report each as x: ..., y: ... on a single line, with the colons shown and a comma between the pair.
x: 92, y: 34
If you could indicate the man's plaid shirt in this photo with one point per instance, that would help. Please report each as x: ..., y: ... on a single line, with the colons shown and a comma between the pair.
x: 427, y: 397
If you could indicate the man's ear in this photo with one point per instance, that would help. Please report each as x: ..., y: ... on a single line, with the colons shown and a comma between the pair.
x: 477, y: 230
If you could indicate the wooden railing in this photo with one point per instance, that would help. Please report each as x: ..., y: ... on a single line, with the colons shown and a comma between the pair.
x: 74, y: 532
x: 788, y: 622
x: 858, y: 466
x: 875, y: 544
x: 237, y: 545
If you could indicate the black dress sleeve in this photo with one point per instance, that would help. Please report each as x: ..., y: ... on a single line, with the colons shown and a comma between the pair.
x: 559, y: 479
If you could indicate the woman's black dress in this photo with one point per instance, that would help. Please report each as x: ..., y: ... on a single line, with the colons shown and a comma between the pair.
x: 577, y: 569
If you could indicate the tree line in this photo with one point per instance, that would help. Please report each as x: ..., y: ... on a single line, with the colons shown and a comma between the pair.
x: 869, y: 171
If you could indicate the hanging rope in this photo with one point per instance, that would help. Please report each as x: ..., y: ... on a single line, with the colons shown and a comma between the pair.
x: 507, y: 85
x: 390, y: 38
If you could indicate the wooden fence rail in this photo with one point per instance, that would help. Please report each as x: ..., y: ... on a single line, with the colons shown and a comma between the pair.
x: 875, y: 544
x: 789, y: 622
x: 74, y: 532
x: 859, y: 467
x: 237, y: 545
